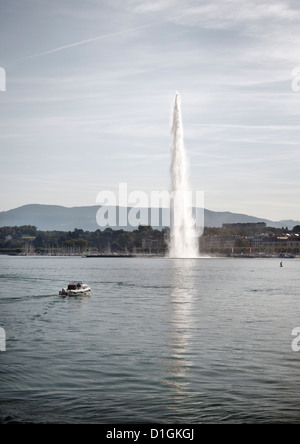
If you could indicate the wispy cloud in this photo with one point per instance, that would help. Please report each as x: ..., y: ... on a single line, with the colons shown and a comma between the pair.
x: 219, y: 13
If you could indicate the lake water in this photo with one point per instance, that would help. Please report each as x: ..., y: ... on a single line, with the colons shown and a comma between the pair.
x: 157, y: 341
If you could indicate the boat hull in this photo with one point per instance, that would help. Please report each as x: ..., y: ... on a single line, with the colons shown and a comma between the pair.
x: 79, y: 292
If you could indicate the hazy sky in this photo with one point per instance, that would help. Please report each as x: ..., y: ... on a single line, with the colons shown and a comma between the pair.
x: 90, y: 87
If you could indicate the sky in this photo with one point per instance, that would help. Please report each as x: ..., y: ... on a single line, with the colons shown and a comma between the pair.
x: 90, y: 86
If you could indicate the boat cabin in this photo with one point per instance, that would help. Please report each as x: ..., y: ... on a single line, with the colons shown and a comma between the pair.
x: 74, y: 285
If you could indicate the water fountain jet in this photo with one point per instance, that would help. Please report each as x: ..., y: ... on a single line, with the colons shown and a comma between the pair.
x: 183, y: 237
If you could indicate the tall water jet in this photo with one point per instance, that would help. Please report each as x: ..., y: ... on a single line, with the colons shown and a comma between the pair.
x: 184, y: 241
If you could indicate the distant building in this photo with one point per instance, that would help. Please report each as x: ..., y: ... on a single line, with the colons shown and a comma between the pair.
x: 258, y: 226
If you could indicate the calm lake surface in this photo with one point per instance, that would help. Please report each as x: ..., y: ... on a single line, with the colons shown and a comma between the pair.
x: 157, y: 341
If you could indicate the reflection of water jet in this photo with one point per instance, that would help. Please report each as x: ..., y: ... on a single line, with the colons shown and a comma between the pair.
x: 183, y: 238
x: 180, y: 362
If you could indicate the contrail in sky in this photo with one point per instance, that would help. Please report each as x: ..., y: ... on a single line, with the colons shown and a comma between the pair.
x: 94, y: 39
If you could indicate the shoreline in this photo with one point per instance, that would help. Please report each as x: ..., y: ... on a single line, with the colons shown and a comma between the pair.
x: 143, y: 256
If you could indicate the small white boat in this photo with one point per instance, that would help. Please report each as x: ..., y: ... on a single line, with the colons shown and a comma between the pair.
x: 75, y: 289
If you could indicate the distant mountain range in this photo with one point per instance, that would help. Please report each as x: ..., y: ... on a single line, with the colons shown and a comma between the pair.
x: 54, y: 217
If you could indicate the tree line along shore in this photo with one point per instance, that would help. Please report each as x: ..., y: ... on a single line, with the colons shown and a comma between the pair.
x: 230, y: 240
